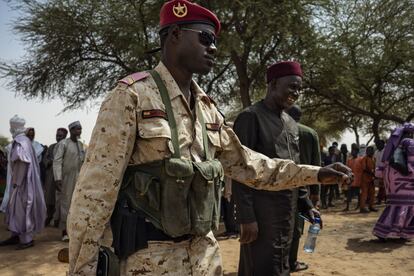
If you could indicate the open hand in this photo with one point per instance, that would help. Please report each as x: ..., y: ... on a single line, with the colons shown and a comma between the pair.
x: 336, y: 173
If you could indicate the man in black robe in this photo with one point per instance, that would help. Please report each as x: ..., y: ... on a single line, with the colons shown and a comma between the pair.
x: 267, y: 218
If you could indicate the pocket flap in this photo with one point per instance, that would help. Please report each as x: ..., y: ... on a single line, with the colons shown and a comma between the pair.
x: 214, y: 138
x: 179, y: 167
x: 154, y: 128
x: 210, y: 169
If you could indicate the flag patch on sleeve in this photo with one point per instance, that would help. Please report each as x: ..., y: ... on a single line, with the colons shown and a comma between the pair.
x: 213, y: 127
x: 154, y: 113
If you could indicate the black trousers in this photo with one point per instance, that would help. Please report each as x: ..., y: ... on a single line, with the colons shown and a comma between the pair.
x: 352, y: 191
x: 266, y: 256
x: 325, y: 189
x: 294, y: 247
x: 336, y: 190
x: 229, y: 216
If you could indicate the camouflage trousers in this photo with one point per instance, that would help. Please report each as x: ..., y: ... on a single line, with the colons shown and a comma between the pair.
x: 197, y: 257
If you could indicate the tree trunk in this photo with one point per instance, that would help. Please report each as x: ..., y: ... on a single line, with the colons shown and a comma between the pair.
x: 244, y: 81
x: 375, y: 128
x: 244, y: 94
x: 370, y: 139
x: 355, y: 129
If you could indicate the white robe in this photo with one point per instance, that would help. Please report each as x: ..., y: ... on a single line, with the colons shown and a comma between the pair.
x: 38, y: 148
x: 67, y: 162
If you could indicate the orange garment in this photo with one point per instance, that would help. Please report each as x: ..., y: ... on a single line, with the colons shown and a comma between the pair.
x: 367, y: 181
x: 355, y: 165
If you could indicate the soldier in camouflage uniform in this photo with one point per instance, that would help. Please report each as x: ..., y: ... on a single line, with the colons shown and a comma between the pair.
x: 134, y: 129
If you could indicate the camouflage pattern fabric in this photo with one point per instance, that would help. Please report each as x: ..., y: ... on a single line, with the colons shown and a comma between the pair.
x: 124, y: 134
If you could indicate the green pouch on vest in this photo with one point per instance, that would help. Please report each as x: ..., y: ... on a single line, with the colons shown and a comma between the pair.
x: 177, y: 195
x: 148, y: 186
x: 175, y: 217
x: 210, y: 170
x: 179, y: 168
x: 141, y: 186
x: 205, y: 197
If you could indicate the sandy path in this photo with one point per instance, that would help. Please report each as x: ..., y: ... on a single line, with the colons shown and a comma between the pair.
x: 345, y: 247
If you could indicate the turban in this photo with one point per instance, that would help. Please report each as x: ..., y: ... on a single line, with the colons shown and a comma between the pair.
x: 281, y: 69
x: 74, y: 124
x: 17, y: 125
x: 185, y: 12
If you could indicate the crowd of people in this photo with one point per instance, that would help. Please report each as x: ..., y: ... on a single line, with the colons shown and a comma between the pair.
x: 159, y: 153
x: 362, y: 160
x: 39, y: 181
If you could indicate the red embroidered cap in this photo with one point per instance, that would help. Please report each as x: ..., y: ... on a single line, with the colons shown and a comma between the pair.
x: 185, y: 12
x: 281, y: 69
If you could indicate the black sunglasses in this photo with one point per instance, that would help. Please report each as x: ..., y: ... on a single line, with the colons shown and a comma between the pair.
x: 206, y: 38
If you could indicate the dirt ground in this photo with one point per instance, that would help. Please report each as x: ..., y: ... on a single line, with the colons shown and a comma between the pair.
x: 344, y: 247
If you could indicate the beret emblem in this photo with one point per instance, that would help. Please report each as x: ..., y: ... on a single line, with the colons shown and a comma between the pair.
x: 180, y: 10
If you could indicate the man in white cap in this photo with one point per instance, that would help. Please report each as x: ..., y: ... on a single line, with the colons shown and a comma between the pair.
x: 25, y: 208
x: 66, y: 166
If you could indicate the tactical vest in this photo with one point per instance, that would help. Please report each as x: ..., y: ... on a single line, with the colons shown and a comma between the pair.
x: 176, y: 195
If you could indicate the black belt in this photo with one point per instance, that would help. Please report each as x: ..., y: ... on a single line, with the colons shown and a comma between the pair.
x: 155, y: 234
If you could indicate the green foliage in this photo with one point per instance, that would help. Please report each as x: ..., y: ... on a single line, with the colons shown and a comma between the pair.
x: 357, y: 56
x: 4, y: 141
x: 78, y: 49
x: 256, y: 34
x: 363, y: 63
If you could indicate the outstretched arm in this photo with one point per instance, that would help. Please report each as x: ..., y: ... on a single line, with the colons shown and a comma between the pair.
x: 260, y: 172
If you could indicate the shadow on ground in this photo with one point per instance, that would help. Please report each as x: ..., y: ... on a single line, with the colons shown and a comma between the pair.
x: 361, y: 245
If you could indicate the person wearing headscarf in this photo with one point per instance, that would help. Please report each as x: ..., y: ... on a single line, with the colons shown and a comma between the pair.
x: 25, y: 208
x: 67, y: 162
x: 397, y: 172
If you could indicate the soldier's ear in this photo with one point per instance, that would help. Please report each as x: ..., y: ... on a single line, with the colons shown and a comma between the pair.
x: 174, y: 33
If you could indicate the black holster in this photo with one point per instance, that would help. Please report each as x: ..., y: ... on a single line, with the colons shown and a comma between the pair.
x: 108, y: 263
x: 129, y: 230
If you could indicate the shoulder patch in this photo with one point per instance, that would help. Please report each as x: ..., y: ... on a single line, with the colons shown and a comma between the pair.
x: 153, y: 113
x: 208, y: 100
x: 129, y: 80
x: 212, y: 127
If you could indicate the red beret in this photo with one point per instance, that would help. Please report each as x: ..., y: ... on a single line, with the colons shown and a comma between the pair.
x: 185, y: 12
x: 281, y: 69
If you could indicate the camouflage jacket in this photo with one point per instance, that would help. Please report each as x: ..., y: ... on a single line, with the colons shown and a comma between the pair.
x: 132, y: 128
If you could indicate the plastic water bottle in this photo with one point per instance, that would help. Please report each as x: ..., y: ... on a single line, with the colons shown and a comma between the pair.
x: 312, y: 235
